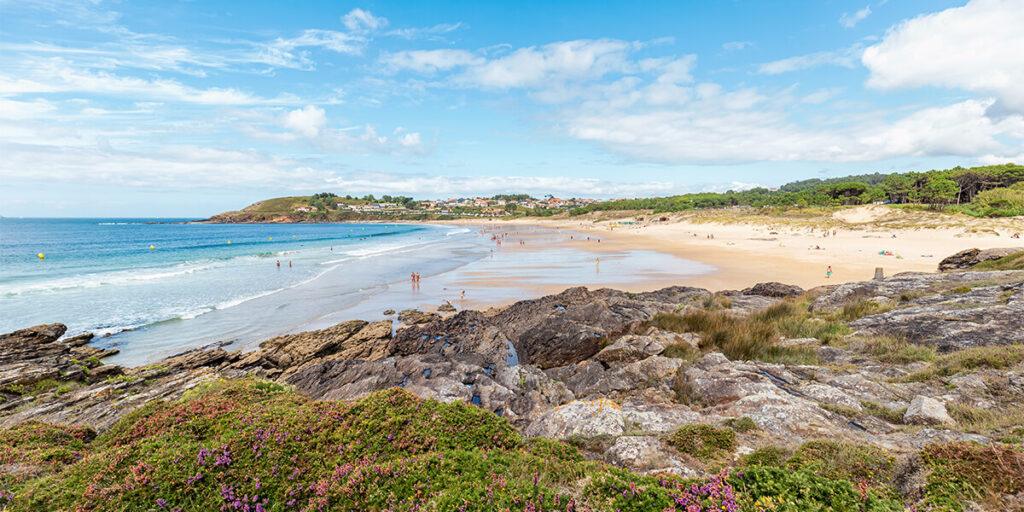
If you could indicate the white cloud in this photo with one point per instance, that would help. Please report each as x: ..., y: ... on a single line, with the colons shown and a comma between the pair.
x: 717, y: 128
x: 307, y: 120
x: 426, y: 32
x: 447, y: 186
x: 358, y: 20
x: 821, y: 96
x: 848, y: 20
x: 170, y: 166
x: 735, y: 46
x: 55, y: 76
x: 12, y: 109
x: 429, y: 61
x: 846, y: 58
x: 978, y: 48
x: 286, y: 52
x: 552, y: 63
x: 735, y: 186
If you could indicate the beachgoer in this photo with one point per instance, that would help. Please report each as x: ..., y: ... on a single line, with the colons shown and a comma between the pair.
x: 278, y: 263
x: 828, y: 272
x: 463, y: 295
x: 412, y: 276
x: 289, y: 264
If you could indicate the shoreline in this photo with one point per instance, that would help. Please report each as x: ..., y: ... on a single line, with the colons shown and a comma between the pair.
x: 747, y: 252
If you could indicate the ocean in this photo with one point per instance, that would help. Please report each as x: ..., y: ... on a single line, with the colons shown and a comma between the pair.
x: 156, y: 287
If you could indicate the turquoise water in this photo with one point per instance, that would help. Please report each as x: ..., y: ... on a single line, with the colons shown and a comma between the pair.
x: 194, y: 287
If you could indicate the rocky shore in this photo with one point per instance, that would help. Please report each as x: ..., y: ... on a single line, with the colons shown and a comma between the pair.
x: 899, y: 364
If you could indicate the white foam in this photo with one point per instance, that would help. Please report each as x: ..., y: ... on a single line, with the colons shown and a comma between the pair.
x: 118, y: 277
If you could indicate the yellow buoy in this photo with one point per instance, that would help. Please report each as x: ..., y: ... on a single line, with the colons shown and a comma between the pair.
x: 293, y: 236
x: 229, y: 242
x: 151, y: 247
x: 41, y: 256
x: 271, y: 238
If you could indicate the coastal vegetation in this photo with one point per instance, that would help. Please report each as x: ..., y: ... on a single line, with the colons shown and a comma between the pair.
x: 989, y: 191
x: 256, y: 445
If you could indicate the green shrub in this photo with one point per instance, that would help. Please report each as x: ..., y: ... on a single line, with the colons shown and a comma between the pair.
x: 892, y: 349
x: 753, y: 338
x: 970, y: 471
x: 744, y: 424
x: 772, y: 456
x: 853, y: 310
x: 837, y: 460
x: 997, y: 202
x: 773, y: 488
x: 703, y: 442
x: 996, y: 357
x: 1013, y: 261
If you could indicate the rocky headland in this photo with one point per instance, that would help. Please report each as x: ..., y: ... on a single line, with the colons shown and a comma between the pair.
x: 899, y: 392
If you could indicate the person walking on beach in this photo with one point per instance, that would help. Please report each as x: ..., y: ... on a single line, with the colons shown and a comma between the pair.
x: 463, y: 296
x: 289, y: 263
x: 278, y: 263
x: 828, y: 272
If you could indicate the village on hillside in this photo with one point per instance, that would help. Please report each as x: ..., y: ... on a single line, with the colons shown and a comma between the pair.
x: 495, y: 206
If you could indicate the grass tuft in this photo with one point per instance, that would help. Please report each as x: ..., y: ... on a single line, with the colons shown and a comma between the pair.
x: 703, y: 442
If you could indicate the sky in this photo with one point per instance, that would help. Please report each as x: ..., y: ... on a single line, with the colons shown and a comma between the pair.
x: 189, y: 108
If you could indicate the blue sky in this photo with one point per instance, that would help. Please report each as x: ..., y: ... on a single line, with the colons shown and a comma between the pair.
x: 192, y: 108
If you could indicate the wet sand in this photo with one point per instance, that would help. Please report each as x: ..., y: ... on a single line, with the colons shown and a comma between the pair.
x: 548, y: 261
x: 746, y: 254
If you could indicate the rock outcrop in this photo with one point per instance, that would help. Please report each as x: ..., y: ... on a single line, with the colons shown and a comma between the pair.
x: 586, y: 365
x: 970, y: 257
x: 774, y: 289
x: 925, y: 410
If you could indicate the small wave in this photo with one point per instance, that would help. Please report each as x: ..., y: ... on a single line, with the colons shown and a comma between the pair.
x: 196, y: 313
x: 110, y: 278
x: 381, y: 249
x: 457, y: 232
x: 230, y: 303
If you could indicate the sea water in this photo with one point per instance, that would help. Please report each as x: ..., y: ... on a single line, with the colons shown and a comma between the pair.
x: 203, y: 283
x: 151, y: 288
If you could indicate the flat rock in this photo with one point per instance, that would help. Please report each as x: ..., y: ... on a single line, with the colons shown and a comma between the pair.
x: 630, y: 348
x: 924, y: 410
x: 585, y: 418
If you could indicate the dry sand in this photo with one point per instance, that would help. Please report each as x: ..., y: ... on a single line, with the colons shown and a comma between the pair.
x: 751, y: 249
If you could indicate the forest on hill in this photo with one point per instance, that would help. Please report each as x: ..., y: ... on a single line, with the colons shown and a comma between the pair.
x: 987, y: 191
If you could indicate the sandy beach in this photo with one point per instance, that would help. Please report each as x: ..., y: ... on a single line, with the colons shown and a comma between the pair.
x: 748, y: 251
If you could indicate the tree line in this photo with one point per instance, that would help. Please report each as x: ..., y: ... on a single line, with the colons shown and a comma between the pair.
x: 994, y: 190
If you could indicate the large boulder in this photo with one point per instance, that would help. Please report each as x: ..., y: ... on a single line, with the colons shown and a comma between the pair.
x: 925, y: 410
x: 416, y: 317
x: 640, y: 453
x: 38, y: 353
x: 584, y: 418
x: 773, y: 289
x: 286, y: 355
x: 970, y: 257
x: 630, y: 348
x: 548, y: 332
